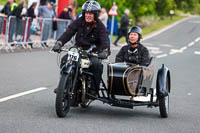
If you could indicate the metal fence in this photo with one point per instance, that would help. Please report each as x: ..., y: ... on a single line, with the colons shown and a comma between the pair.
x: 29, y: 33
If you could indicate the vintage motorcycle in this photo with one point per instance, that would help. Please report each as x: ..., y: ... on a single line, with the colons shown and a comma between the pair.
x: 126, y: 83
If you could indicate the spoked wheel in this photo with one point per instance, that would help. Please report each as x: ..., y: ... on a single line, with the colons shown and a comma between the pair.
x: 63, y: 97
x: 164, y: 103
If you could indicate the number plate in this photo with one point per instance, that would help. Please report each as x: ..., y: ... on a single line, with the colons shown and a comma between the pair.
x: 73, y: 56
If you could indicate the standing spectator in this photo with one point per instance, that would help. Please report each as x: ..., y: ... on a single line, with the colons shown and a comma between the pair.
x: 17, y: 12
x: 31, y: 10
x: 31, y: 14
x: 7, y: 10
x: 46, y: 12
x: 66, y: 13
x: 103, y: 16
x: 123, y: 30
x: 54, y: 23
x: 62, y: 25
x: 16, y: 22
x: 9, y: 7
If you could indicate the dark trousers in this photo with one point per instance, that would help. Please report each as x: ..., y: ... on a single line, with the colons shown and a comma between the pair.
x: 96, y: 69
x: 122, y: 32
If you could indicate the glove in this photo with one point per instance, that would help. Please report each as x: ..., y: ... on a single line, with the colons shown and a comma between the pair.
x: 103, y: 54
x: 57, y: 47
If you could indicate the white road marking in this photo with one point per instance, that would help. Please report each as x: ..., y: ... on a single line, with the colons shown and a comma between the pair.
x: 153, y: 48
x: 156, y: 52
x: 22, y: 94
x: 162, y: 55
x: 197, y: 39
x: 183, y: 48
x: 173, y: 51
x: 166, y: 45
x: 197, y: 52
x: 190, y: 44
x: 189, y: 94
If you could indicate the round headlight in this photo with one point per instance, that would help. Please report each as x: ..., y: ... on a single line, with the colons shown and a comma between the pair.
x: 73, y: 49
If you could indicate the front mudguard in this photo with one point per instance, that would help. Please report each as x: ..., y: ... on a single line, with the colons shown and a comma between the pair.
x: 66, y: 69
x: 162, y: 76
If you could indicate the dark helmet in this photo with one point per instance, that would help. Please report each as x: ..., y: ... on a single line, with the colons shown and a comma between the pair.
x: 91, y: 6
x: 138, y: 30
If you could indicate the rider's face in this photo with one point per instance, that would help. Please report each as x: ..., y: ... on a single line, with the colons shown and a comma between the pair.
x: 133, y: 37
x: 89, y: 17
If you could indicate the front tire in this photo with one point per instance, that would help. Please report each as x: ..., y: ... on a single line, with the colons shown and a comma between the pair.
x: 63, y: 97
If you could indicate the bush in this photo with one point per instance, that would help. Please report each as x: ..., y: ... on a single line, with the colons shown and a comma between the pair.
x: 146, y: 21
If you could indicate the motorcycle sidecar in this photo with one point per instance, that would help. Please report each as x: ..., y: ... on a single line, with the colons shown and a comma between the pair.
x: 129, y: 80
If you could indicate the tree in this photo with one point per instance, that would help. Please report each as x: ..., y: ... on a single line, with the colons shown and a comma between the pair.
x: 142, y: 7
x: 164, y: 6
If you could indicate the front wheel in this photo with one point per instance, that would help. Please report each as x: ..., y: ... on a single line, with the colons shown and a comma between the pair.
x: 63, y: 97
x: 164, y: 103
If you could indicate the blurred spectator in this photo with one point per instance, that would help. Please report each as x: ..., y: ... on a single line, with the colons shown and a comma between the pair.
x: 123, y: 30
x: 19, y: 14
x: 9, y: 7
x: 16, y: 23
x: 54, y: 26
x: 46, y: 12
x: 103, y: 16
x: 62, y: 25
x: 31, y: 13
x: 31, y: 10
x: 66, y: 13
x: 43, y: 2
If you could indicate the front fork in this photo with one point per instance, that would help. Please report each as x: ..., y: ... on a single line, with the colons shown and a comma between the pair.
x: 83, y: 98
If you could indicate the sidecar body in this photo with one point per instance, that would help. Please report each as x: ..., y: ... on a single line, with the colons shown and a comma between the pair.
x: 126, y: 82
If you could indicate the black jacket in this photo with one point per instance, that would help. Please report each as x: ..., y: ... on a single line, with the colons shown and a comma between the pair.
x: 30, y: 13
x: 139, y: 55
x: 65, y: 15
x: 17, y: 11
x: 85, y: 37
x: 124, y: 22
x: 6, y: 9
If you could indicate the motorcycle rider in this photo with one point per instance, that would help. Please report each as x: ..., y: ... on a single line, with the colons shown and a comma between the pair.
x: 134, y: 52
x: 89, y: 31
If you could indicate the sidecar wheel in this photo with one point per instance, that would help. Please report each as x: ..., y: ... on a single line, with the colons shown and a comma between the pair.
x: 164, y: 103
x: 62, y: 97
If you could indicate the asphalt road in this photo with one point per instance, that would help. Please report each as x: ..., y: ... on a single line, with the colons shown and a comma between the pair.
x: 36, y: 74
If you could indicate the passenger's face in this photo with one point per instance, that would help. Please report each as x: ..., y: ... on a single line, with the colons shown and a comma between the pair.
x: 133, y: 37
x: 89, y: 17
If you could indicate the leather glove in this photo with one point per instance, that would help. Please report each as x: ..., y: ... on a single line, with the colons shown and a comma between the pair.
x: 57, y: 47
x: 103, y: 54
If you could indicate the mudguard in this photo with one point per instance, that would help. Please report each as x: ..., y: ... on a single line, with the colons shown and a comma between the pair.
x: 163, y: 74
x: 67, y: 69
